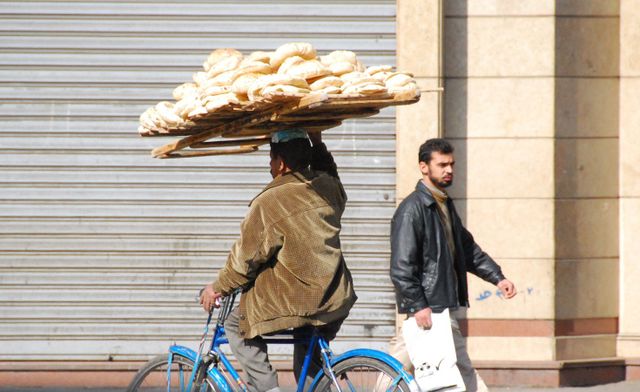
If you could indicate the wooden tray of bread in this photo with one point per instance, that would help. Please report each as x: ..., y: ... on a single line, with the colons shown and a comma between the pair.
x: 235, y: 104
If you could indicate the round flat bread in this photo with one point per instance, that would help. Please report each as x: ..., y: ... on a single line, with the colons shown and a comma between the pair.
x: 165, y: 110
x: 327, y: 81
x: 365, y: 89
x: 184, y: 89
x: 185, y: 105
x: 218, y: 101
x: 308, y: 69
x: 339, y: 56
x: 411, y: 86
x: 378, y: 68
x: 398, y: 79
x: 330, y: 90
x: 263, y: 57
x: 215, y: 90
x: 353, y: 76
x: 200, y: 78
x: 302, y: 49
x: 223, y: 79
x: 219, y: 54
x: 341, y: 67
x: 381, y: 76
x: 242, y: 84
x: 288, y: 63
x: 283, y: 88
x: 224, y: 65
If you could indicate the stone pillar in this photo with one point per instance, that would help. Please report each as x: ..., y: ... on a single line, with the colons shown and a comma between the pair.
x: 533, y: 104
x: 499, y: 112
x: 629, y: 338
x: 586, y: 179
x: 419, y: 51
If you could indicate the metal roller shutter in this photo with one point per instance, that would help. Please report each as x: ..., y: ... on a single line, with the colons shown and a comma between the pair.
x: 102, y: 248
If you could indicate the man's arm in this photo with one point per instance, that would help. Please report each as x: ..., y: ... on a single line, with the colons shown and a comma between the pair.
x: 321, y: 158
x: 256, y: 246
x: 406, y: 264
x: 482, y: 265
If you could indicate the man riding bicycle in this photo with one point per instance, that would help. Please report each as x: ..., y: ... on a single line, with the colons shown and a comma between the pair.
x: 288, y: 260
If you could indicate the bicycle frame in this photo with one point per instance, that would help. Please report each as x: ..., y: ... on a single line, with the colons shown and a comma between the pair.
x: 219, y: 338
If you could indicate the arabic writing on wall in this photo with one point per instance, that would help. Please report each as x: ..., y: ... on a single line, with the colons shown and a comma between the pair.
x: 488, y: 294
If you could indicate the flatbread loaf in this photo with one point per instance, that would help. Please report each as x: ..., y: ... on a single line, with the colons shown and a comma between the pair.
x: 184, y: 89
x: 327, y: 81
x: 283, y: 88
x: 242, y: 84
x: 255, y: 90
x: 341, y: 67
x: 200, y: 78
x: 165, y: 110
x: 398, y: 79
x: 219, y: 54
x: 378, y: 68
x: 224, y: 65
x: 339, y: 56
x: 330, y: 90
x: 302, y: 49
x: 263, y: 57
x: 288, y: 63
x: 365, y: 89
x: 307, y: 69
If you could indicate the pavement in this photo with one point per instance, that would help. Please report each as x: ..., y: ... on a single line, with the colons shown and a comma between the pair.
x: 625, y: 386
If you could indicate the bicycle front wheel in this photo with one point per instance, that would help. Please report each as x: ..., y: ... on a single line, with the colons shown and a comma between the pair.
x: 154, y: 376
x: 363, y: 374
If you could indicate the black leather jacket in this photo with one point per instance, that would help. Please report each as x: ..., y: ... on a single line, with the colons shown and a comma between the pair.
x: 421, y: 267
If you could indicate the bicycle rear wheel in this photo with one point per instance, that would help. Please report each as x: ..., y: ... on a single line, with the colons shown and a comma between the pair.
x: 153, y: 376
x: 362, y: 374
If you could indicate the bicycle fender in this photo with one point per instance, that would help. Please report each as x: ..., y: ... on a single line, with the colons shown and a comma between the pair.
x: 375, y: 354
x: 184, y: 351
x: 213, y: 372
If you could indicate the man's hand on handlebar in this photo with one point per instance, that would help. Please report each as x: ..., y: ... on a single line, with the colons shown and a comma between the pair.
x: 209, y: 298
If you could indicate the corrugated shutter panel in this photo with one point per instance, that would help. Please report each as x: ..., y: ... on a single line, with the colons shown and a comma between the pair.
x: 102, y: 248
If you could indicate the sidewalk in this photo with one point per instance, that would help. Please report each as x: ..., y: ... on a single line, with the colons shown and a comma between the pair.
x: 625, y: 386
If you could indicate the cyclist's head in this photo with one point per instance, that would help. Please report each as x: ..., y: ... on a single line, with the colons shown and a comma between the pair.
x: 290, y: 151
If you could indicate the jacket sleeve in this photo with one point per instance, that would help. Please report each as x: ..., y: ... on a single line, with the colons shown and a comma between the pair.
x: 256, y: 246
x: 478, y: 262
x: 406, y: 263
x: 322, y: 160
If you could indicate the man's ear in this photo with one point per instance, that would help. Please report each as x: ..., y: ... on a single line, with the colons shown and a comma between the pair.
x: 282, y: 167
x: 424, y: 167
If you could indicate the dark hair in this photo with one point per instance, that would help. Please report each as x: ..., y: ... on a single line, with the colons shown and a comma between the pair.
x: 438, y: 145
x: 295, y: 153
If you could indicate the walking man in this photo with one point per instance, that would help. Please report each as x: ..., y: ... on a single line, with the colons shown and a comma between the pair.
x: 431, y: 253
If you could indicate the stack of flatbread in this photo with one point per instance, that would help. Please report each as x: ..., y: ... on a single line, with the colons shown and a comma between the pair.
x: 230, y: 79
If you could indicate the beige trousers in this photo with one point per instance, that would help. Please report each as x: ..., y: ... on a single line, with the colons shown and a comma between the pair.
x: 472, y: 379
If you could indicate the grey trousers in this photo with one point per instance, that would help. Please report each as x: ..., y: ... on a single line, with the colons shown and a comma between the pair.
x: 472, y: 380
x: 254, y: 359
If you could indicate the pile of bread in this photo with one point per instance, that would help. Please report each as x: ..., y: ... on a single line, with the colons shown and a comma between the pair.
x: 230, y: 78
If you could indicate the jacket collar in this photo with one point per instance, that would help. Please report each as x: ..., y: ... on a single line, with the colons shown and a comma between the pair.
x: 422, y: 189
x: 304, y: 175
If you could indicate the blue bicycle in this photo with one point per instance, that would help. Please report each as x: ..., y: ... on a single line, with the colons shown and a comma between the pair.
x: 209, y: 370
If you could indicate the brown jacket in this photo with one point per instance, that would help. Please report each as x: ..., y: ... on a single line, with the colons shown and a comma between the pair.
x: 288, y: 258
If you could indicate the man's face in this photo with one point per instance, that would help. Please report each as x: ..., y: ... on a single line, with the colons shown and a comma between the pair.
x: 439, y: 170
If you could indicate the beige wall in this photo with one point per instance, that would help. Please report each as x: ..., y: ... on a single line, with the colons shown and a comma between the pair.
x: 499, y: 113
x: 629, y: 339
x: 534, y: 105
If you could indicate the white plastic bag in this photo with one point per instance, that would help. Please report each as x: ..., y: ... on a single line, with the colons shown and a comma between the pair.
x: 433, y: 354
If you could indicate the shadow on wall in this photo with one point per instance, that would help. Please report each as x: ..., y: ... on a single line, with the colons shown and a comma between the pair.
x: 586, y: 124
x: 455, y: 95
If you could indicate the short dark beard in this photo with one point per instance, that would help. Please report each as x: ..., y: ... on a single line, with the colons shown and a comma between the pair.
x: 440, y: 184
